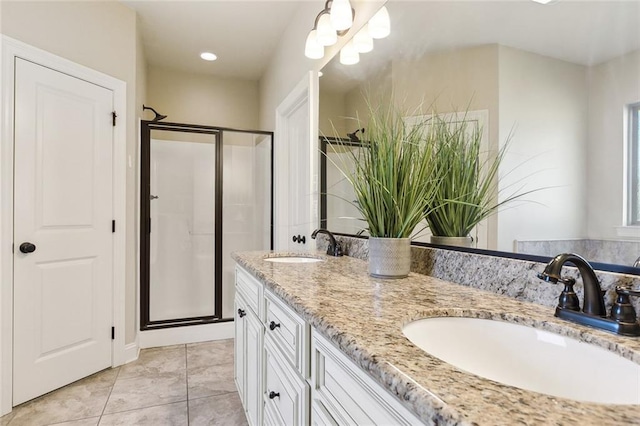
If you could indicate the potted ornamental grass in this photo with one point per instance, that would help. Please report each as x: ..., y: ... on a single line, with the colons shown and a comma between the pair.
x: 394, y: 183
x: 468, y: 189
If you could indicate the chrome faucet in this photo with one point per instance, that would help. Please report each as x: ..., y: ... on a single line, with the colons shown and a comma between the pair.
x: 593, y: 313
x: 334, y: 248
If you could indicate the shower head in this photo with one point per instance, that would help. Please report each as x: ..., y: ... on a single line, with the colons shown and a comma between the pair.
x: 158, y: 117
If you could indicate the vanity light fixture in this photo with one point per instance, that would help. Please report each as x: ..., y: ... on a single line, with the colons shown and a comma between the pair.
x: 334, y: 21
x: 325, y: 33
x: 313, y: 49
x: 363, y: 41
x: 208, y: 56
x: 341, y: 15
x: 330, y: 24
x: 348, y: 54
x: 380, y: 24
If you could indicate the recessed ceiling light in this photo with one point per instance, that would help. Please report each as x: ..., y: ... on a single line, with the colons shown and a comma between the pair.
x: 208, y: 56
x: 543, y: 1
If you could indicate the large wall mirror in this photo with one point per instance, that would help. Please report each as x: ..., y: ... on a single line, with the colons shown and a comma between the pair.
x: 560, y: 81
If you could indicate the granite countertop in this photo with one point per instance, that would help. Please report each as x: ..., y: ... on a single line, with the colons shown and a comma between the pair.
x: 363, y: 316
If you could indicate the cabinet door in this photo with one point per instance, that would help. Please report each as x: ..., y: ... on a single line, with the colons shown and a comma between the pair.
x: 254, y: 338
x: 240, y: 364
x: 286, y: 393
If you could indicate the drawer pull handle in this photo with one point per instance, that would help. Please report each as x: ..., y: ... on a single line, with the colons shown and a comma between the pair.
x: 273, y: 325
x: 273, y: 395
x: 241, y: 313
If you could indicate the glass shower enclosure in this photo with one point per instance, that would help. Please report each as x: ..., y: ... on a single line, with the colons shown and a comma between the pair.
x: 205, y: 192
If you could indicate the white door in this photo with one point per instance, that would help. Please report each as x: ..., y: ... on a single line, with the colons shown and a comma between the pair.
x: 296, y: 167
x: 63, y: 207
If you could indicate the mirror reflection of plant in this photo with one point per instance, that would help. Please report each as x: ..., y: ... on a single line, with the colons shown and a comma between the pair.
x: 393, y: 178
x: 468, y: 186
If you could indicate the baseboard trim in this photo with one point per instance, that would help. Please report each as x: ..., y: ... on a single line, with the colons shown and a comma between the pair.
x: 182, y: 335
x: 131, y: 352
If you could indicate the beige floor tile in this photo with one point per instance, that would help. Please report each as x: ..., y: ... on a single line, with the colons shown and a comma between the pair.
x: 210, y: 380
x: 93, y: 421
x: 147, y: 391
x: 210, y: 353
x: 217, y: 410
x: 156, y: 361
x: 169, y: 414
x: 4, y: 420
x: 80, y: 400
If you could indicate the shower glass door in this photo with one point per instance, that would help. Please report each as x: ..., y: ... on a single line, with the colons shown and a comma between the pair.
x: 182, y: 212
x: 204, y: 193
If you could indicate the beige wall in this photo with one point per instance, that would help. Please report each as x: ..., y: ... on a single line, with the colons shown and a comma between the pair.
x: 203, y: 99
x: 331, y: 120
x: 100, y: 35
x: 612, y: 86
x: 543, y: 105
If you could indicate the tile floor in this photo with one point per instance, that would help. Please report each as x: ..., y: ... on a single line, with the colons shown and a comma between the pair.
x: 174, y: 385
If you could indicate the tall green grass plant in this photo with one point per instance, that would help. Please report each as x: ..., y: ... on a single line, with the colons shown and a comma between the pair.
x: 393, y: 178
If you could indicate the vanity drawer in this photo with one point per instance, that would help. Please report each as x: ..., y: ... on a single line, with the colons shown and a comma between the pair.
x: 289, y: 332
x: 286, y: 396
x: 345, y: 393
x: 251, y: 290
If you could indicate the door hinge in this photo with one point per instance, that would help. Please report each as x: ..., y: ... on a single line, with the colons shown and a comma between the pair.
x: 114, y: 116
x: 113, y: 226
x: 113, y: 333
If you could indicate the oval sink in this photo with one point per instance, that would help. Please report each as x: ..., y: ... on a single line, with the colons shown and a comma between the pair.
x: 529, y: 358
x: 293, y: 259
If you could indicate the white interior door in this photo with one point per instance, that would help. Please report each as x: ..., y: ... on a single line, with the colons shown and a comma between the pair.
x: 63, y: 207
x: 296, y: 156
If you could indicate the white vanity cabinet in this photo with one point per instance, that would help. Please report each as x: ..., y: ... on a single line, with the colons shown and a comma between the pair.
x: 343, y: 394
x: 288, y: 374
x: 249, y: 344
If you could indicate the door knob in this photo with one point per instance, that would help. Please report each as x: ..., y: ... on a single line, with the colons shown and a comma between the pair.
x: 153, y: 197
x: 27, y: 248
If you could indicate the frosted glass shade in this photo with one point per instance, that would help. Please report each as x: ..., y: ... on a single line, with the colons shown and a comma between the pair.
x: 313, y: 49
x: 349, y: 55
x: 380, y: 24
x: 326, y: 34
x: 362, y: 41
x: 341, y: 16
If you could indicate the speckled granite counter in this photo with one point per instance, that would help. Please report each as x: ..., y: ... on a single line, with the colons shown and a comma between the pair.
x: 364, y: 316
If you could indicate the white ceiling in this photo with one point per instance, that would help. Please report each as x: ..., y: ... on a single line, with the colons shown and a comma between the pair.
x: 583, y: 32
x: 243, y: 34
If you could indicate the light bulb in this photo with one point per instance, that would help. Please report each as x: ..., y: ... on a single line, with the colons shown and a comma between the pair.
x: 380, y: 24
x: 313, y: 49
x: 341, y: 15
x: 363, y: 41
x: 327, y: 35
x: 348, y: 54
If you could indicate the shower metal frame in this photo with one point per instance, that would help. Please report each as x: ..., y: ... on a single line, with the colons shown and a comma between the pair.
x: 145, y: 219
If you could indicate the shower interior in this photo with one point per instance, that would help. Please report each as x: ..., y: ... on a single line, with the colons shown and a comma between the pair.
x: 205, y: 192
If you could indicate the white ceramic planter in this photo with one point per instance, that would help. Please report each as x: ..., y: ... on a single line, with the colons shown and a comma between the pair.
x: 389, y: 257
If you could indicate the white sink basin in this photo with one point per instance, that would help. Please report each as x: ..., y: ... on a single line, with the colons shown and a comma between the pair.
x: 293, y: 259
x: 529, y: 358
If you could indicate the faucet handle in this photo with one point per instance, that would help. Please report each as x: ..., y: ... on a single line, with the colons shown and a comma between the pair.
x: 568, y: 298
x: 622, y: 309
